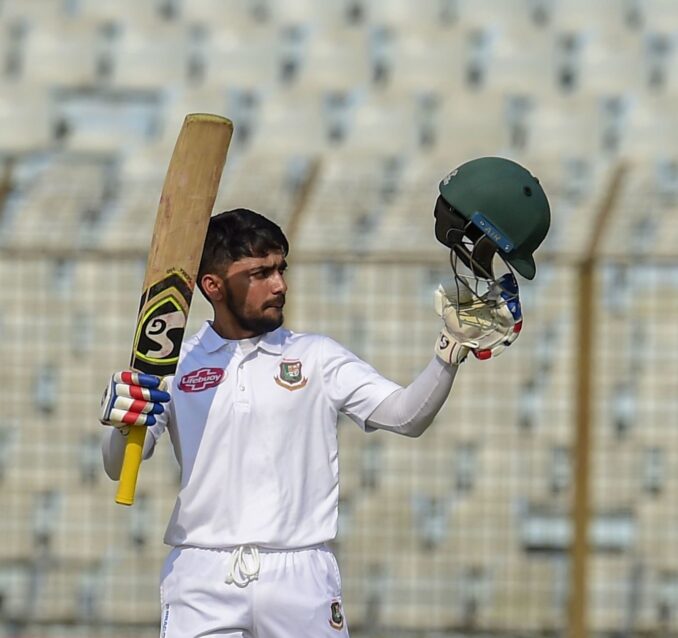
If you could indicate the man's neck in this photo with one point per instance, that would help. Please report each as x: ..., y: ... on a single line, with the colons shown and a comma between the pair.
x: 231, y: 331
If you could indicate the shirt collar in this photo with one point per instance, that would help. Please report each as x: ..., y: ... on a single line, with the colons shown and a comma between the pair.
x: 211, y: 341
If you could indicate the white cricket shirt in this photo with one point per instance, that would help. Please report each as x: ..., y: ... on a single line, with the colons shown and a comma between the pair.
x: 254, y: 429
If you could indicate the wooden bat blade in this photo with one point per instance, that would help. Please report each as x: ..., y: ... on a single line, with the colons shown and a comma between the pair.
x: 186, y: 203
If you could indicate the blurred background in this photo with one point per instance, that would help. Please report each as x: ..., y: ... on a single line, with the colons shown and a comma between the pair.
x: 544, y: 499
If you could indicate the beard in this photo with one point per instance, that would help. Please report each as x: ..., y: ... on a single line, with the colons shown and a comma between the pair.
x: 256, y: 324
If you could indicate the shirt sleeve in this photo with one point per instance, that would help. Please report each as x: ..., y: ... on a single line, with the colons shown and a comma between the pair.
x: 411, y: 410
x: 154, y: 432
x: 353, y: 386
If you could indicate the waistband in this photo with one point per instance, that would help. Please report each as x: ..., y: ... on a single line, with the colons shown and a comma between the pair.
x: 262, y: 549
x: 245, y: 560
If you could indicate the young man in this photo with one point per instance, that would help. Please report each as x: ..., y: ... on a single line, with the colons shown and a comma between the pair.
x: 252, y: 416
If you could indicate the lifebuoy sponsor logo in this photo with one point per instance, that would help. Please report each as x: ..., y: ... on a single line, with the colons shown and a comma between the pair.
x: 202, y: 379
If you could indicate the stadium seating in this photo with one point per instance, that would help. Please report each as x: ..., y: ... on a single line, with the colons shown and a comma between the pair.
x: 65, y: 199
x: 150, y: 58
x: 347, y: 115
x: 61, y: 54
x: 26, y: 119
x: 32, y: 10
x: 400, y: 15
x: 294, y: 122
x: 248, y: 59
x: 108, y: 11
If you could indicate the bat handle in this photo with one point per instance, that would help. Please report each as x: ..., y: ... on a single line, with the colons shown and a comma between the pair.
x: 134, y: 448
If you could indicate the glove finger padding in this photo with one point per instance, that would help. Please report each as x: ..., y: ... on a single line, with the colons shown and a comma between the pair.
x: 139, y: 393
x: 495, y: 348
x: 486, y: 325
x: 459, y: 329
x: 509, y: 319
x: 132, y: 398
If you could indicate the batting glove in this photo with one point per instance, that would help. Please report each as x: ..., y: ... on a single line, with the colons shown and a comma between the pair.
x: 133, y: 398
x: 486, y: 326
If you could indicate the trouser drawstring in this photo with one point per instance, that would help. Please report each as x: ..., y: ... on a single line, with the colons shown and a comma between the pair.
x: 244, y: 567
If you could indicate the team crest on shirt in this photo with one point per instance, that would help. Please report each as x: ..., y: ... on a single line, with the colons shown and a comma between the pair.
x: 336, y: 615
x: 291, y: 376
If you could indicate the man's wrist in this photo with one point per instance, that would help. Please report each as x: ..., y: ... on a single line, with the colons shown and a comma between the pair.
x: 449, y: 350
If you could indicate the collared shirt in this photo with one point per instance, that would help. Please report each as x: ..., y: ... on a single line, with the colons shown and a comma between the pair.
x: 253, y: 424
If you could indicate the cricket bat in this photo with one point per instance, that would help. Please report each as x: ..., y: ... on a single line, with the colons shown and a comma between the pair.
x: 184, y: 212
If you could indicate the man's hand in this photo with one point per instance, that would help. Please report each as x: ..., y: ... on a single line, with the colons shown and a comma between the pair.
x: 485, y: 325
x: 132, y: 398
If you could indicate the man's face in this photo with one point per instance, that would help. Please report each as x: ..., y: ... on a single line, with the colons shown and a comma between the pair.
x: 255, y: 292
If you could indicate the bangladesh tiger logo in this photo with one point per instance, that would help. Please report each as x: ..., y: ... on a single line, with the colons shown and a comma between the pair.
x: 291, y: 376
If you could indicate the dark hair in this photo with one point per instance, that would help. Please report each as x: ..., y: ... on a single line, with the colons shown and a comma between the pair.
x: 239, y: 233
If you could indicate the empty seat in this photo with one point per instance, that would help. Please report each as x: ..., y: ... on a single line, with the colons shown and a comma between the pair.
x: 127, y: 11
x: 26, y: 119
x: 471, y: 125
x: 569, y: 123
x: 334, y: 15
x: 607, y: 17
x: 647, y: 128
x: 44, y: 11
x: 241, y: 58
x: 496, y: 14
x: 612, y: 65
x: 147, y: 58
x: 399, y: 15
x: 291, y: 122
x: 521, y: 64
x: 59, y: 54
x: 221, y: 15
x: 383, y: 124
x: 654, y: 16
x: 416, y: 63
x: 335, y: 60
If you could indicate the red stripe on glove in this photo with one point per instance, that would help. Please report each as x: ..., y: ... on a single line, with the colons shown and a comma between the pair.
x: 138, y: 406
x: 137, y: 392
x: 130, y: 418
x: 128, y: 377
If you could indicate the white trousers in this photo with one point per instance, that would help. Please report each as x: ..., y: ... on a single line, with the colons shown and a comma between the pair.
x: 296, y: 594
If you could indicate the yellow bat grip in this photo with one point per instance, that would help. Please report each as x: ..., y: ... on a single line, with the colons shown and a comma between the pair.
x: 134, y: 448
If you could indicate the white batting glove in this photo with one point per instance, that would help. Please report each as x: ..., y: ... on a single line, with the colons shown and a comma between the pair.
x: 449, y: 350
x: 133, y: 398
x: 485, y: 326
